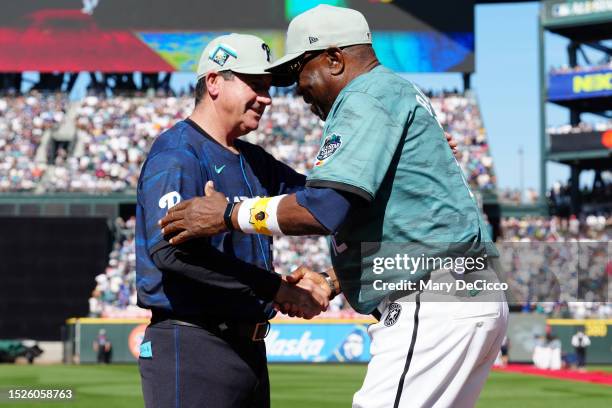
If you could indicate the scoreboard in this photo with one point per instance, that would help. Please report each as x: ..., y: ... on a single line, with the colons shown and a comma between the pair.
x: 161, y: 35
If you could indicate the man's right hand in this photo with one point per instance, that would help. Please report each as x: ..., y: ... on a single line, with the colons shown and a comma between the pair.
x: 305, y: 277
x: 303, y: 297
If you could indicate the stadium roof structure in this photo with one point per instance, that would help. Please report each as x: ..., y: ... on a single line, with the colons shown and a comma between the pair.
x: 579, y: 87
x: 591, y: 105
x: 583, y: 21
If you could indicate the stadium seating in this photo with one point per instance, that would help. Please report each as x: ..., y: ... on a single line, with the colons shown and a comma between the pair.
x: 460, y: 116
x: 25, y: 122
x: 553, y: 260
x: 113, y: 135
x: 582, y: 127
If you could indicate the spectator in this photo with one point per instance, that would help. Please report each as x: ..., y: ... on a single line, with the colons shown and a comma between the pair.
x: 103, y: 347
x: 23, y: 123
x: 580, y: 342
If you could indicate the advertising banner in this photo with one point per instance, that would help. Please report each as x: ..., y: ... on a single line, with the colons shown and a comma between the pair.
x: 580, y: 85
x: 339, y: 342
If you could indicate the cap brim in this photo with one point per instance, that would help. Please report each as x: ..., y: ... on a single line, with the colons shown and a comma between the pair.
x: 278, y: 79
x: 252, y: 70
x: 280, y: 69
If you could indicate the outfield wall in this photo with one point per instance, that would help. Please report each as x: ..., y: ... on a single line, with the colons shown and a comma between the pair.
x: 333, y: 340
x: 289, y: 340
x: 598, y: 330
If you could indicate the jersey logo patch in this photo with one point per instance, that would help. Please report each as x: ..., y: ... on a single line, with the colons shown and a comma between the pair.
x: 394, y: 312
x: 169, y: 200
x: 330, y: 146
x: 218, y: 170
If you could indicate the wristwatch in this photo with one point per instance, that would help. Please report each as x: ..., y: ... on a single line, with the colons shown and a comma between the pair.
x: 227, y: 217
x: 330, y: 283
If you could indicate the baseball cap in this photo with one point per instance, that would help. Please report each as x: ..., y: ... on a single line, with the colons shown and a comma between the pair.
x: 241, y: 53
x: 322, y: 27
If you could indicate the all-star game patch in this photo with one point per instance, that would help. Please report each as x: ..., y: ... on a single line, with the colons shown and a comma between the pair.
x: 394, y: 312
x: 330, y: 146
x: 221, y: 54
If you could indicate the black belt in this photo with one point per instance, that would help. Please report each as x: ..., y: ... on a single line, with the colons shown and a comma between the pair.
x: 253, y: 331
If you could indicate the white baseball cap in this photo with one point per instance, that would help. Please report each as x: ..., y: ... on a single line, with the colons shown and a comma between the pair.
x: 322, y: 27
x: 241, y: 53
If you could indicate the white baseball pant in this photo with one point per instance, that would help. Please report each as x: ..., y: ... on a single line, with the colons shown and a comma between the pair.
x: 436, y: 354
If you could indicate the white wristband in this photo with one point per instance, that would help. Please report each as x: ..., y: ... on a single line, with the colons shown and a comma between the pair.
x: 258, y: 215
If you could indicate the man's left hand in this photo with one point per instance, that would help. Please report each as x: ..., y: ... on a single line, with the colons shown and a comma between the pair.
x: 195, y: 218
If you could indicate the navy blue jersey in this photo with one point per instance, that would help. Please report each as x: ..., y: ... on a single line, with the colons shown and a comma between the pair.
x: 236, y: 266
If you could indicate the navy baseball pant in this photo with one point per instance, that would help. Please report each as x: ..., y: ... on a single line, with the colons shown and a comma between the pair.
x: 182, y: 366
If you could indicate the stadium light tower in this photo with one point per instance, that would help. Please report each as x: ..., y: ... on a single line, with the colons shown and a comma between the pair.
x: 521, y: 173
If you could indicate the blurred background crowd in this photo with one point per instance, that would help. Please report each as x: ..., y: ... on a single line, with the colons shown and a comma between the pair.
x: 98, y: 144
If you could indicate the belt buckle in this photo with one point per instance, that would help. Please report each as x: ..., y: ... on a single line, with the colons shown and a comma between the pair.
x: 260, y: 331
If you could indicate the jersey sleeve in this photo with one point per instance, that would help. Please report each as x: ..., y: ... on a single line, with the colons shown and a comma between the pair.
x: 358, y: 146
x: 288, y: 180
x: 168, y: 178
x: 279, y: 178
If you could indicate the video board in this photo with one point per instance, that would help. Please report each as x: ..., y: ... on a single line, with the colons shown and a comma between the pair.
x: 161, y: 35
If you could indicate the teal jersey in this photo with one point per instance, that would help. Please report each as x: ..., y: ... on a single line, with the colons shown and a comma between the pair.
x: 383, y: 142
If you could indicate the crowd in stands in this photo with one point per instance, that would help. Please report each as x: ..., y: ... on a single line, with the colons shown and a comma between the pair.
x: 113, y: 135
x: 553, y: 263
x: 516, y: 196
x: 460, y: 115
x: 565, y: 69
x: 114, y: 294
x: 582, y: 127
x: 557, y: 229
x: 113, y: 138
x: 594, y: 198
x: 290, y: 132
x: 115, y: 289
x: 24, y: 119
x: 558, y: 267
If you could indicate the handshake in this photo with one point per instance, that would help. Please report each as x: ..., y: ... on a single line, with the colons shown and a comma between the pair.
x: 304, y: 294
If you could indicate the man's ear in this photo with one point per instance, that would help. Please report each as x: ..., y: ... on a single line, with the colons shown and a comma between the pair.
x: 213, y: 82
x: 335, y: 60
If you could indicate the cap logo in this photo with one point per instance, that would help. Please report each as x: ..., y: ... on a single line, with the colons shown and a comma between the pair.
x: 221, y: 54
x: 266, y: 48
x: 313, y: 39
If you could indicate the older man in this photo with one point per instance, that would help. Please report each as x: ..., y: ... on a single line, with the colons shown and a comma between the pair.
x: 383, y: 175
x: 211, y: 298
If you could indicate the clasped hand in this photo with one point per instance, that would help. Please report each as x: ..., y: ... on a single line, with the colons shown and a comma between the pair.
x: 303, y: 294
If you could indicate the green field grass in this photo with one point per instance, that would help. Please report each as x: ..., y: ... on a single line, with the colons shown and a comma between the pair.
x: 293, y: 386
